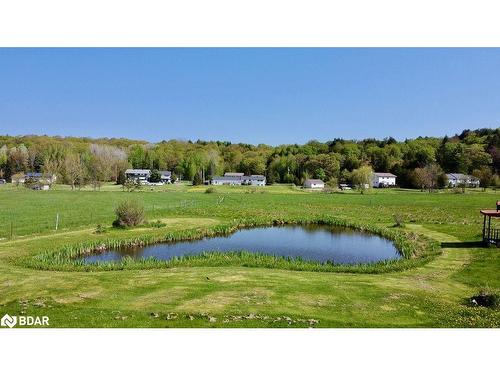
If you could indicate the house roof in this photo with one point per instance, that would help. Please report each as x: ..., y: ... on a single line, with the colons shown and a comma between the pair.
x: 313, y: 181
x: 38, y: 175
x: 227, y: 178
x: 384, y: 174
x: 257, y: 177
x: 165, y: 173
x: 460, y: 176
x: 233, y: 174
x: 137, y: 171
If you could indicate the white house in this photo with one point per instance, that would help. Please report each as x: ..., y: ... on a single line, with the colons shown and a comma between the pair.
x: 140, y: 175
x: 382, y: 179
x: 226, y: 180
x: 238, y: 179
x: 314, y: 184
x: 166, y: 177
x: 459, y: 179
x: 254, y: 180
x: 49, y: 178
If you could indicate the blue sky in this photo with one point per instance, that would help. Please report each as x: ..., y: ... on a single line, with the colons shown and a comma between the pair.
x: 260, y: 95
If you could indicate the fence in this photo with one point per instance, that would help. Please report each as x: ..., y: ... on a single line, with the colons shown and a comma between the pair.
x: 40, y: 223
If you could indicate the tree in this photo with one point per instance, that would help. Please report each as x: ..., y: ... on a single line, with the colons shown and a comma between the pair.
x: 122, y: 178
x: 3, y: 160
x: 98, y: 166
x: 197, y: 180
x: 155, y: 176
x: 17, y: 160
x: 419, y: 178
x: 74, y: 170
x: 361, y: 177
x: 132, y: 185
x: 485, y: 177
x: 427, y: 177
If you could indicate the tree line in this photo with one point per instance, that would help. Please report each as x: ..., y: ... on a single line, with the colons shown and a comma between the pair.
x: 418, y: 163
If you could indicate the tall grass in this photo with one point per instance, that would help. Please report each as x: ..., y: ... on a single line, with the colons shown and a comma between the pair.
x: 415, y: 250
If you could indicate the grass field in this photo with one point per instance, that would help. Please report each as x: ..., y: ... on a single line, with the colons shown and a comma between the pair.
x: 433, y: 294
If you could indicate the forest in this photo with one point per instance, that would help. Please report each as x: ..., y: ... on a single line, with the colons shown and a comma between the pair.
x: 86, y: 161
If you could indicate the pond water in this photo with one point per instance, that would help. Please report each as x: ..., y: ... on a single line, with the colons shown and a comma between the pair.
x: 314, y: 242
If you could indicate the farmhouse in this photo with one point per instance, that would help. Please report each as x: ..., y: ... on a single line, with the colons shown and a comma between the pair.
x: 254, y: 180
x: 226, y: 180
x: 48, y: 178
x: 314, y: 184
x: 459, y: 179
x: 166, y: 177
x: 140, y: 175
x: 35, y: 180
x: 231, y: 178
x: 382, y: 179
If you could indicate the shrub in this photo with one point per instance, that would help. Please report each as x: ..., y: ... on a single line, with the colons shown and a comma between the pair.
x: 155, y: 176
x: 486, y: 299
x: 210, y: 190
x: 197, y: 180
x: 398, y: 220
x: 131, y: 185
x: 129, y: 214
x: 100, y: 229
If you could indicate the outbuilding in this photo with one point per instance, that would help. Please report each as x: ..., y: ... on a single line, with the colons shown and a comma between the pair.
x: 166, y: 177
x: 139, y: 175
x: 459, y: 179
x: 238, y: 179
x: 314, y: 184
x: 383, y: 179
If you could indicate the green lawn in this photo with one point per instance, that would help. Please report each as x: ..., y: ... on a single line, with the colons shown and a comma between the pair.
x: 433, y: 295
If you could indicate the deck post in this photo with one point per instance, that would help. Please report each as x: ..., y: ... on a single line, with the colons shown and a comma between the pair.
x: 484, y: 229
x: 489, y: 229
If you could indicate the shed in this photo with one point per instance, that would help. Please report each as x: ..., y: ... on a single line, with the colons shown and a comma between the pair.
x: 314, y: 184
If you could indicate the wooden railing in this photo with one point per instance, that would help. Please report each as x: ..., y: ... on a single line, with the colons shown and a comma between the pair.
x: 492, y: 235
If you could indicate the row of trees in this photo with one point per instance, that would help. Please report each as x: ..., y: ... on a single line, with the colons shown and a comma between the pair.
x: 418, y: 163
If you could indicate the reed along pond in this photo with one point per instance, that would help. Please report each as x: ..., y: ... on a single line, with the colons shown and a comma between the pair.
x: 312, y: 242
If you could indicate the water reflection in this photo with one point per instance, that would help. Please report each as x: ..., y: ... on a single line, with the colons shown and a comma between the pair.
x: 315, y: 242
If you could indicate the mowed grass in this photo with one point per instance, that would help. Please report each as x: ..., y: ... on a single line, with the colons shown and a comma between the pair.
x: 433, y: 295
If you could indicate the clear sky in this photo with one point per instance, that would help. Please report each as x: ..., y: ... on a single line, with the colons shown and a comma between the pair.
x: 261, y: 95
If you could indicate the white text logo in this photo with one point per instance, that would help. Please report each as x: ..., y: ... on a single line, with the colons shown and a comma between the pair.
x: 11, y: 321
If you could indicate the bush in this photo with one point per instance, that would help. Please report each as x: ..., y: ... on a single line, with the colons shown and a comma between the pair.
x: 155, y: 176
x: 398, y: 220
x: 100, y: 229
x: 129, y: 214
x: 197, y: 180
x: 486, y: 299
x: 210, y: 190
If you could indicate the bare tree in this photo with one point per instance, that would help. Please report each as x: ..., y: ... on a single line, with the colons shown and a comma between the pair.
x: 427, y: 177
x: 74, y: 170
x: 53, y: 166
x: 112, y: 158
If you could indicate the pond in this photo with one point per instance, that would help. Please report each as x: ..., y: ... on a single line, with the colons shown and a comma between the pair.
x: 313, y: 242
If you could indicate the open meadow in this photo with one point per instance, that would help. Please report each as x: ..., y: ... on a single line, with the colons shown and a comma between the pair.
x: 428, y: 291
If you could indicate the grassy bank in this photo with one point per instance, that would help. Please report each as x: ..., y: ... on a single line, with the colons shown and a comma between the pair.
x: 231, y: 293
x: 415, y: 250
